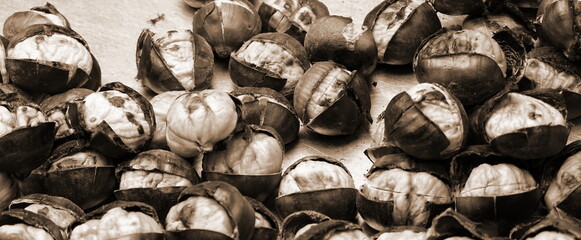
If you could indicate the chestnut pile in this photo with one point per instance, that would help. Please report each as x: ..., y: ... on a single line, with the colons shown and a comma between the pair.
x: 477, y: 149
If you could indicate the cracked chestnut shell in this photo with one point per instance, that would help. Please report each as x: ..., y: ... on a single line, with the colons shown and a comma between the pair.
x: 560, y: 25
x: 8, y: 188
x: 273, y: 60
x: 50, y: 59
x: 266, y: 107
x: 160, y: 104
x: 3, y: 72
x: 290, y: 16
x: 226, y: 24
x: 83, y: 175
x: 470, y: 64
x: 561, y: 182
x: 119, y: 121
x: 317, y: 183
x: 296, y: 221
x: 453, y: 225
x: 155, y: 177
x: 120, y: 220
x: 47, y: 14
x: 251, y: 160
x: 331, y: 100
x: 338, y: 39
x: 401, y: 190
x: 226, y: 198
x: 427, y: 122
x: 491, y: 187
x: 267, y: 225
x: 26, y: 138
x: 401, y: 232
x: 62, y: 211
x: 332, y: 229
x: 174, y: 60
x: 526, y: 125
x: 399, y: 26
x: 19, y: 222
x: 461, y: 7
x: 555, y: 225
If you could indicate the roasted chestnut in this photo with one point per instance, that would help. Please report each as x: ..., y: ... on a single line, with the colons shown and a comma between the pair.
x: 451, y: 225
x: 317, y: 183
x: 160, y: 104
x: 198, y: 120
x: 338, y: 39
x: 26, y: 138
x: 119, y: 120
x: 559, y: 24
x: 83, y: 175
x: 3, y: 72
x: 273, y: 60
x: 427, y: 122
x: 174, y: 60
x: 47, y: 14
x: 555, y: 225
x: 60, y: 59
x: 471, y: 64
x: 400, y: 190
x: 211, y: 210
x: 19, y: 224
x: 399, y: 26
x: 562, y: 180
x: 120, y: 220
x: 490, y: 187
x: 300, y: 221
x: 59, y: 210
x: 290, y: 16
x: 250, y: 160
x: 267, y: 225
x: 8, y: 190
x: 332, y: 100
x: 396, y: 233
x: 526, y: 125
x: 332, y: 230
x: 266, y: 107
x: 462, y: 7
x: 155, y: 177
x: 56, y: 107
x: 226, y: 24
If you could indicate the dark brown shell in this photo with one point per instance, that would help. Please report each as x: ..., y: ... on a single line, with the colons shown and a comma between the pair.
x: 265, y: 233
x: 25, y: 149
x: 196, y: 234
x: 103, y: 138
x: 526, y: 143
x: 15, y: 22
x: 53, y: 78
x: 510, y: 208
x: 454, y: 7
x: 249, y: 75
x: 325, y: 41
x: 554, y: 221
x: 295, y: 221
x: 255, y: 186
x: 157, y: 76
x: 162, y: 199
x: 451, y: 223
x: 4, y: 78
x: 326, y: 228
x: 266, y: 12
x: 59, y: 102
x: 344, y: 115
x: 560, y: 25
x: 230, y: 198
x: 419, y: 136
x: 54, y: 201
x: 226, y: 27
x: 402, y: 47
x: 16, y: 216
x: 266, y: 107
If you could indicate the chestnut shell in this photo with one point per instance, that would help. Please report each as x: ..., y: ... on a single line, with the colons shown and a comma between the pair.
x: 25, y: 149
x: 158, y: 77
x: 60, y: 202
x: 249, y: 75
x: 320, y: 230
x: 509, y: 208
x: 16, y: 216
x: 295, y: 221
x: 451, y: 223
x: 12, y: 24
x: 554, y: 221
x: 295, y: 30
x: 265, y: 233
x: 33, y: 76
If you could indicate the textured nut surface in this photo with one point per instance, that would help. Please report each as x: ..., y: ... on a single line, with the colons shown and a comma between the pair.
x: 23, y: 231
x: 314, y: 175
x: 199, y: 213
x: 407, y: 234
x: 89, y: 158
x: 177, y: 49
x: 567, y: 179
x: 145, y: 179
x: 497, y: 180
x: 547, y: 76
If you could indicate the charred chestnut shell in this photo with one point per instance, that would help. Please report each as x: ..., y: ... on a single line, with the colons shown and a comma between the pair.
x: 156, y: 161
x: 534, y: 142
x: 337, y: 203
x: 291, y: 17
x: 17, y: 216
x: 451, y: 224
x: 257, y: 63
x: 19, y: 21
x: 338, y: 39
x: 397, y: 37
x: 24, y: 149
x: 226, y: 24
x: 560, y: 25
x: 158, y: 75
x: 86, y: 186
x: 295, y: 221
x: 553, y: 222
x: 379, y: 214
x: 344, y: 111
x: 454, y: 7
x: 503, y: 210
x: 569, y: 187
x: 103, y: 138
x: 266, y: 107
x: 264, y: 233
x: 230, y: 198
x: 258, y: 186
x: 48, y: 76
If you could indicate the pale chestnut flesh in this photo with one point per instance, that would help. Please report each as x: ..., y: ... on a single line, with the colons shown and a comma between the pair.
x: 147, y: 179
x: 116, y: 223
x: 544, y: 235
x: 313, y: 176
x: 407, y: 234
x: 568, y: 178
x: 200, y: 213
x: 21, y: 117
x: 22, y: 231
x: 497, y: 180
